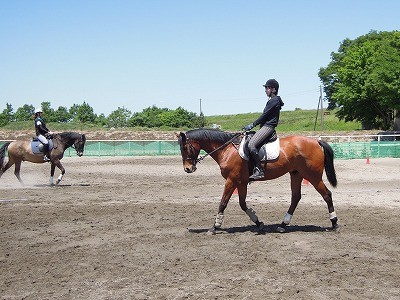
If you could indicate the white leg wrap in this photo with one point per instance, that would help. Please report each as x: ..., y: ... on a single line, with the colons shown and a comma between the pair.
x: 287, y: 218
x: 51, y: 181
x: 332, y: 215
x: 219, y: 220
x: 252, y: 214
x: 59, y: 178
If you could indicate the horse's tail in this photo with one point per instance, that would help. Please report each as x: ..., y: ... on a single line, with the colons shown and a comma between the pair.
x: 328, y: 162
x: 3, y: 153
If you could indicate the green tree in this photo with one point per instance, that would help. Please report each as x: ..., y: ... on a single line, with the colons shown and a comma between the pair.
x: 200, y: 121
x: 3, y: 120
x: 149, y: 117
x: 62, y: 115
x: 119, y: 118
x: 138, y: 119
x: 163, y: 117
x: 179, y: 118
x: 85, y: 114
x: 25, y: 113
x: 7, y: 115
x: 73, y: 111
x: 363, y: 79
x: 101, y: 120
x: 48, y: 112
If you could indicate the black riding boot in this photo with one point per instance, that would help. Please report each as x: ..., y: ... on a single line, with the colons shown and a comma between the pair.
x: 258, y: 172
x: 46, y: 152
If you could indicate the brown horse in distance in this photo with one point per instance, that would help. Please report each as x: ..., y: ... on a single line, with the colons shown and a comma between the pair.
x: 20, y: 150
x: 301, y: 157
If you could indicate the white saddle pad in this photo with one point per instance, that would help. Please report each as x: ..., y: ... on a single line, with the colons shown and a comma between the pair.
x: 271, y: 150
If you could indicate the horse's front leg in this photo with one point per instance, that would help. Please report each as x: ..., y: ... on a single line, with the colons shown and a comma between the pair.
x: 52, y: 170
x: 226, y: 196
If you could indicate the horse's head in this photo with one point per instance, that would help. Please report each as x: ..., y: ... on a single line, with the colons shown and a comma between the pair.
x: 189, y: 150
x: 79, y: 144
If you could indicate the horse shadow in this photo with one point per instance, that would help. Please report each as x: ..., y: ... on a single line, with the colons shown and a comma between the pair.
x: 60, y: 185
x: 272, y: 228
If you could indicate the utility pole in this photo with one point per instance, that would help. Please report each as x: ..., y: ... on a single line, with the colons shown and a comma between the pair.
x: 322, y: 108
x: 202, y: 119
x: 201, y: 112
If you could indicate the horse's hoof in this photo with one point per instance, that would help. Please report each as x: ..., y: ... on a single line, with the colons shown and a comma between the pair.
x: 260, y: 227
x: 212, y: 231
x: 280, y: 229
x: 336, y: 228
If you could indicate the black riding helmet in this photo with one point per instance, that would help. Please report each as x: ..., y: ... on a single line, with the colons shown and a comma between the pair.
x: 272, y: 83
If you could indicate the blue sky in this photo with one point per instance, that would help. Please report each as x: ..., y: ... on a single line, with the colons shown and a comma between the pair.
x: 135, y: 54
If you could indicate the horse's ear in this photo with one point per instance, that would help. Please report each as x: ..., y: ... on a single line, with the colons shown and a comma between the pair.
x: 181, y: 135
x: 83, y: 137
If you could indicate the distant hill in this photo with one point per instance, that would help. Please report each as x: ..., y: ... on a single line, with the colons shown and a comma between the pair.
x: 290, y: 121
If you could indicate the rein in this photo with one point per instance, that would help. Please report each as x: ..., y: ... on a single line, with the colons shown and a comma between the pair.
x: 199, y: 159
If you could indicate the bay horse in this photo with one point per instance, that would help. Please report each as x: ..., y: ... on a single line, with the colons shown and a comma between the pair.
x: 301, y: 157
x: 21, y: 150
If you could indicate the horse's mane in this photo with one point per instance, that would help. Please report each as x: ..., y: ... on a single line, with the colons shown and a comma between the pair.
x: 210, y: 134
x: 69, y: 135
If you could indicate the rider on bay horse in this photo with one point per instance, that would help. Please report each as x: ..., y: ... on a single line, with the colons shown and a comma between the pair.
x: 41, y: 132
x: 268, y: 121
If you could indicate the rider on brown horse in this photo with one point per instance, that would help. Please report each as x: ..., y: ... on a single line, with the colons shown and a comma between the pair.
x: 41, y: 132
x: 268, y: 121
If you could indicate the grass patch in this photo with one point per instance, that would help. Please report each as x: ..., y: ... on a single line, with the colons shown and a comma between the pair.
x: 290, y: 121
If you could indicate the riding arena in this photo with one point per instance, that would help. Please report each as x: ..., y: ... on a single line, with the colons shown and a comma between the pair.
x: 138, y: 227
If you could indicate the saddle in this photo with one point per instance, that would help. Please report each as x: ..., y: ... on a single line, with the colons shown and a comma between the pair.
x: 37, y: 146
x: 267, y: 152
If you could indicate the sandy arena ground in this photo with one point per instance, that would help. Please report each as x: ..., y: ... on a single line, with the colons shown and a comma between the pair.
x: 117, y: 228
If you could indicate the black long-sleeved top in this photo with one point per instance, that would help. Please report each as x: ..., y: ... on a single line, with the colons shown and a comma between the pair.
x: 40, y: 126
x: 270, y: 115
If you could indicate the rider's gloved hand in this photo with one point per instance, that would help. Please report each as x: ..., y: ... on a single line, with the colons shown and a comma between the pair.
x: 248, y: 127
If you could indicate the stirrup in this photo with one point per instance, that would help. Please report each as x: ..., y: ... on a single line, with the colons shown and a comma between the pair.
x: 45, y: 158
x: 258, y: 174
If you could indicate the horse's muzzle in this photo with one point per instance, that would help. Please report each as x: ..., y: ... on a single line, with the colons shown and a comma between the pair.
x: 79, y: 153
x: 190, y: 169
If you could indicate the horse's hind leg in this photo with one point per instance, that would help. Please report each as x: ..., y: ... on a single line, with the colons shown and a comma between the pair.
x: 6, y: 167
x: 327, y: 196
x: 295, y: 185
x: 242, y: 191
x: 17, y: 171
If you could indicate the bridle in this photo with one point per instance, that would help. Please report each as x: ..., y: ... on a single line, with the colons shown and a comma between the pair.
x: 190, y: 157
x: 80, y: 140
x: 73, y: 144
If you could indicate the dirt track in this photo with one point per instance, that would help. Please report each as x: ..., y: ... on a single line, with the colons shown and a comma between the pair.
x: 116, y: 228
